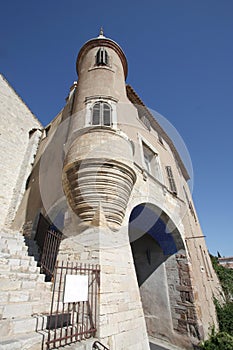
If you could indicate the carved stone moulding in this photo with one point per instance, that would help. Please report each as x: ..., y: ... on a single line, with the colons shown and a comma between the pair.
x: 98, y: 169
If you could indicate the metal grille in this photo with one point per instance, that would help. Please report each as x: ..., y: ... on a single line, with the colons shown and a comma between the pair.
x: 50, y: 250
x: 71, y: 322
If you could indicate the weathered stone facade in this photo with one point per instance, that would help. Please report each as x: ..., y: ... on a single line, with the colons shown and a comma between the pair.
x: 20, y: 133
x: 110, y: 179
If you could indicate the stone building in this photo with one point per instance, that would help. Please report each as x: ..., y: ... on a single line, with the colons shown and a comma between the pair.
x: 226, y: 261
x: 102, y: 185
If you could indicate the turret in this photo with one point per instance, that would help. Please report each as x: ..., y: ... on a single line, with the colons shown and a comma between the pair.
x: 98, y: 167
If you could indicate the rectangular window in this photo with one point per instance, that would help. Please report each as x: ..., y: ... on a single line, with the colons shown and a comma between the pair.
x: 148, y: 156
x: 171, y: 179
x: 160, y: 139
x: 151, y: 162
x: 189, y: 204
x: 96, y: 114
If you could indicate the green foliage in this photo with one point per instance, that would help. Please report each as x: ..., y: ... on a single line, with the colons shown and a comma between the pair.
x: 225, y: 276
x: 223, y: 340
x: 225, y: 316
x: 218, y: 341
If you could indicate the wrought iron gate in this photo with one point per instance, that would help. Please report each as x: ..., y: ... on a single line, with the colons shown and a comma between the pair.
x: 71, y: 322
x: 50, y: 250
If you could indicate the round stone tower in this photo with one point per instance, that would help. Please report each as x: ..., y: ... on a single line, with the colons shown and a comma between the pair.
x: 112, y: 176
x: 98, y: 167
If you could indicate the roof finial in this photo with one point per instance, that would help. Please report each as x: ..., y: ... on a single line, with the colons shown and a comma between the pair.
x: 101, y: 34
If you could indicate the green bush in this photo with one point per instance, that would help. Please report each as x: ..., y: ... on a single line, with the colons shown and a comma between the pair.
x: 225, y: 276
x: 218, y: 341
x: 223, y: 340
x: 225, y: 316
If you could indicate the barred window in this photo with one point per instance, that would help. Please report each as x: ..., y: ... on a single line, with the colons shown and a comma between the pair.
x: 171, y: 179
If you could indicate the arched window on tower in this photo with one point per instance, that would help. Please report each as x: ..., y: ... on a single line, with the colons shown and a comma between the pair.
x: 101, y: 114
x: 102, y: 57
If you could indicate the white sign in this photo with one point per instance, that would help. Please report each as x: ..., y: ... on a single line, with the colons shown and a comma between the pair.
x: 76, y: 289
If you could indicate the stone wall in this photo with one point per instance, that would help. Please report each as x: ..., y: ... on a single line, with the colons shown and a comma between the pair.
x: 121, y: 323
x: 19, y: 138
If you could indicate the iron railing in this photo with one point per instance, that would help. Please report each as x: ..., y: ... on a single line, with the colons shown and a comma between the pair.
x: 50, y: 250
x: 99, y: 346
x: 74, y: 321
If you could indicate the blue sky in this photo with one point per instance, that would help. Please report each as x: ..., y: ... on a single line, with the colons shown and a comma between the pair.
x: 180, y: 57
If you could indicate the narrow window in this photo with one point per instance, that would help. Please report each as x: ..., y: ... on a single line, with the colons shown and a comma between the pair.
x: 160, y: 139
x: 96, y: 114
x: 171, y: 180
x: 151, y: 162
x: 189, y: 204
x: 102, y: 57
x: 106, y: 114
x: 186, y: 195
x: 101, y: 114
x: 31, y: 132
x: 148, y: 156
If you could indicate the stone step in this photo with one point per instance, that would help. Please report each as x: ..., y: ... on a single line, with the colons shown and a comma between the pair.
x: 18, y: 261
x: 17, y: 264
x: 13, y: 327
x: 20, y: 296
x: 18, y: 252
x: 11, y: 236
x: 24, y: 309
x: 27, y: 341
x: 7, y: 278
x: 16, y: 255
x: 5, y: 269
x: 13, y: 244
x: 21, y: 281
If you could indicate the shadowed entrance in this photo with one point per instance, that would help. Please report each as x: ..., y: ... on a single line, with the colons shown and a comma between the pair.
x: 156, y: 243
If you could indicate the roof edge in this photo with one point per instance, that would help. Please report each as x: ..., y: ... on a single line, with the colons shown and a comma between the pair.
x: 136, y: 100
x: 11, y: 87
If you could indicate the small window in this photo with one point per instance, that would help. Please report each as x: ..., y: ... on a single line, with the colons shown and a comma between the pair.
x: 102, y: 57
x: 146, y: 122
x: 151, y: 162
x: 186, y: 195
x: 96, y: 114
x: 148, y: 157
x: 101, y: 114
x: 31, y: 132
x: 190, y: 204
x: 171, y: 179
x: 160, y: 139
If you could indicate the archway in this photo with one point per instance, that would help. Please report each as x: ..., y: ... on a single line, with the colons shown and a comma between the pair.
x: 156, y: 243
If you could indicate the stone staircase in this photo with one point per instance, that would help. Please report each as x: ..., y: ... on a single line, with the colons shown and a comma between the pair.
x: 24, y: 296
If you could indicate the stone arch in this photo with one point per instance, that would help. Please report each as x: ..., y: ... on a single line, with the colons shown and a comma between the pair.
x: 162, y: 271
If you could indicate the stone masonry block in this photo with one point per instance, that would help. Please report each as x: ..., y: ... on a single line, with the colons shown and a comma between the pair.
x: 16, y: 310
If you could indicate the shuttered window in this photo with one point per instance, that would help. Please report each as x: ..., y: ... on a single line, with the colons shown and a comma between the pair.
x: 96, y: 114
x: 171, y: 179
x: 101, y: 114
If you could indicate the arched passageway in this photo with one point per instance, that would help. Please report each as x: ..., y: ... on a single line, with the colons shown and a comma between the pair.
x: 156, y: 243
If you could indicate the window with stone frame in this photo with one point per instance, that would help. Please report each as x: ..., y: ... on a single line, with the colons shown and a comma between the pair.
x: 151, y: 162
x: 171, y: 180
x: 101, y: 114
